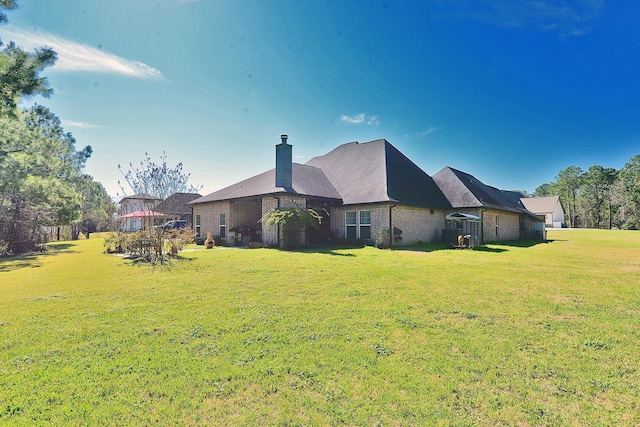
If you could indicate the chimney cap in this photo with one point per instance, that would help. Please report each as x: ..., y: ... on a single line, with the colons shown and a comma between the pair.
x: 284, y: 138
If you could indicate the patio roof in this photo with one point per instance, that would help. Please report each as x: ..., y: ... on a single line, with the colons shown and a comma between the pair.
x: 143, y: 214
x: 459, y: 216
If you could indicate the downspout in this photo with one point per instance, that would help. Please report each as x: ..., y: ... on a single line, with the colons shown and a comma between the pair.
x: 390, y: 226
x: 482, y: 211
x: 193, y: 220
x: 278, y: 226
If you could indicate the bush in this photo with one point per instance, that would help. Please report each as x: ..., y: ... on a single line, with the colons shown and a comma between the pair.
x: 116, y: 242
x: 177, y: 238
x: 293, y: 221
x: 383, y: 238
x: 631, y: 224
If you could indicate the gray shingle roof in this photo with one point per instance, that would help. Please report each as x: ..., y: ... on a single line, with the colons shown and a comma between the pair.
x: 140, y: 196
x: 307, y: 181
x: 176, y: 203
x: 466, y: 191
x: 376, y: 171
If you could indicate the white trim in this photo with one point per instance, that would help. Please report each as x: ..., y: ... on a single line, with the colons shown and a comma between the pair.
x: 357, y: 224
x: 222, y: 228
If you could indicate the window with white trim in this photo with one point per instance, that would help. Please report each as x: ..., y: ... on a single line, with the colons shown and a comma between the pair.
x: 365, y: 225
x: 357, y: 225
x: 350, y: 220
x: 223, y: 225
x: 497, y: 226
x: 197, y: 225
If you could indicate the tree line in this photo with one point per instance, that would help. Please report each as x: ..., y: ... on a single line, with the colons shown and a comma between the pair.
x: 598, y: 197
x: 43, y: 186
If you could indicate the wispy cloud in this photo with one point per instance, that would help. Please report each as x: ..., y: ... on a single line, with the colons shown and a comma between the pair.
x: 420, y: 135
x: 360, y: 119
x: 574, y: 18
x: 425, y: 132
x: 82, y: 125
x: 77, y: 57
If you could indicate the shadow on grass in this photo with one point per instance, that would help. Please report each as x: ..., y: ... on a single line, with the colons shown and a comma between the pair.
x: 61, y: 246
x: 492, y: 247
x: 32, y: 259
x: 495, y: 247
x: 11, y: 263
x: 423, y: 247
x: 521, y: 243
x: 488, y: 249
x: 325, y: 250
x: 138, y: 260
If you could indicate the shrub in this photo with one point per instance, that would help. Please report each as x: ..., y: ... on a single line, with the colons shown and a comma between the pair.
x: 177, y: 238
x: 383, y: 238
x: 116, y: 242
x: 293, y: 221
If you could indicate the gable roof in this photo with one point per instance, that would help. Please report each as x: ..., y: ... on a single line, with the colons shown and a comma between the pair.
x: 541, y: 205
x: 140, y: 196
x: 177, y: 203
x: 376, y: 171
x: 466, y: 191
x: 307, y: 181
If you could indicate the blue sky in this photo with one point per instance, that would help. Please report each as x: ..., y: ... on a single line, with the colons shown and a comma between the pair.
x: 511, y: 92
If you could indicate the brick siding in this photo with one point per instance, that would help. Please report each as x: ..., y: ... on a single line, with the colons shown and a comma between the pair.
x: 417, y: 224
x: 210, y: 217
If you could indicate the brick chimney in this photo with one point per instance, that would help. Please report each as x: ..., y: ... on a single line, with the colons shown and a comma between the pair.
x: 284, y: 163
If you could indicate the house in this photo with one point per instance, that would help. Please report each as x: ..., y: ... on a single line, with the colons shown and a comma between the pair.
x: 502, y: 216
x: 136, y: 211
x: 550, y: 207
x: 360, y: 189
x: 176, y: 207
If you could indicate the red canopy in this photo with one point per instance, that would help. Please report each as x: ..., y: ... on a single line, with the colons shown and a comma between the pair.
x: 143, y: 214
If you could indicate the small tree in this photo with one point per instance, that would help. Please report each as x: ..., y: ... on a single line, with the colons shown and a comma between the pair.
x: 159, y: 181
x: 292, y: 222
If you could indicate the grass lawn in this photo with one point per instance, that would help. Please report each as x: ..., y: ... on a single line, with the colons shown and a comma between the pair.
x: 509, y: 334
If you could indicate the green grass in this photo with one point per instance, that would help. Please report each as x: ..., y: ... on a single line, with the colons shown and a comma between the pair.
x: 509, y: 334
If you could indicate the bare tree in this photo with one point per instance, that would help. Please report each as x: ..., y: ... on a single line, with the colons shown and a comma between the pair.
x: 158, y: 180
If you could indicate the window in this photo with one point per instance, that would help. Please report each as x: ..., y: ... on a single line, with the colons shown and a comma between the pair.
x: 358, y: 224
x: 497, y: 225
x: 365, y: 225
x: 197, y: 225
x: 350, y: 222
x: 223, y: 225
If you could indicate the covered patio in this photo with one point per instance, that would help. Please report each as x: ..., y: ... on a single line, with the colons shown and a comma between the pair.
x: 140, y: 220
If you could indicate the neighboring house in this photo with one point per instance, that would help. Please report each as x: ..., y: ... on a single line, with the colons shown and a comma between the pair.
x: 136, y: 203
x: 550, y: 207
x: 359, y: 188
x: 502, y: 214
x: 176, y: 206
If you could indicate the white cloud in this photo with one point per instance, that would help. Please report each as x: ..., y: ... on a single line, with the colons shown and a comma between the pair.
x: 569, y: 19
x: 82, y: 125
x: 360, y: 119
x: 373, y: 120
x: 426, y: 132
x: 352, y: 120
x: 77, y: 57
